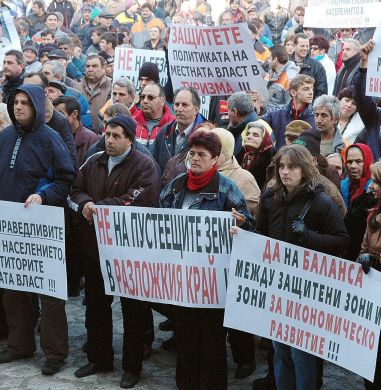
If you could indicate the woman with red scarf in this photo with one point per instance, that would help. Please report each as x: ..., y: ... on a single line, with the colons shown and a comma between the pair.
x: 354, y: 189
x: 201, y: 337
x: 258, y: 151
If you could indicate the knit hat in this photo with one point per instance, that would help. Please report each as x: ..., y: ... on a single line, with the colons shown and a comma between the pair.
x: 227, y: 141
x: 94, y: 13
x: 295, y: 128
x: 30, y: 47
x: 57, y: 84
x: 46, y: 50
x: 150, y: 70
x: 127, y: 123
x: 310, y: 139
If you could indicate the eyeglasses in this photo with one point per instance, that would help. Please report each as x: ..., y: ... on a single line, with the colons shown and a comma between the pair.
x: 314, y: 48
x: 149, y: 97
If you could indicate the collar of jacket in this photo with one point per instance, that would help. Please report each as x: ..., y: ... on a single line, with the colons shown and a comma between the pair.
x: 352, y: 62
x: 103, y: 159
x: 308, y: 107
x: 210, y: 191
x: 172, y: 126
x: 139, y: 117
x: 104, y: 80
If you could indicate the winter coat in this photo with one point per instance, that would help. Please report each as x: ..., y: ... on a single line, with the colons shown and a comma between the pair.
x: 372, y: 244
x: 140, y: 33
x: 344, y: 77
x: 159, y: 46
x: 280, y: 117
x: 10, y: 85
x: 369, y: 113
x: 133, y: 182
x: 165, y: 143
x: 83, y: 139
x: 245, y: 181
x: 97, y: 98
x: 142, y: 134
x: 315, y: 69
x: 276, y: 21
x: 278, y: 85
x: 37, y: 23
x: 326, y: 231
x: 221, y: 194
x: 34, y: 160
x: 330, y: 71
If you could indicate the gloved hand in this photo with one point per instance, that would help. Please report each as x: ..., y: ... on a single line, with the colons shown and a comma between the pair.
x: 365, y: 259
x: 299, y: 229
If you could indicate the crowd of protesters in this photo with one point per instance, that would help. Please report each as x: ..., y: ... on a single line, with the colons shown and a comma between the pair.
x: 74, y: 136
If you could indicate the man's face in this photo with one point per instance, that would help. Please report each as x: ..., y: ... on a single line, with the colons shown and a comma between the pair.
x: 94, y: 70
x: 227, y: 19
x: 146, y: 12
x: 110, y: 69
x: 53, y: 93
x: 47, y: 70
x: 345, y: 33
x: 62, y: 109
x: 302, y: 47
x: 95, y: 38
x: 105, y: 22
x: 48, y: 39
x: 120, y: 95
x: 11, y: 69
x: 355, y: 163
x: 304, y: 94
x: 299, y: 17
x: 103, y: 45
x: 29, y: 56
x: 36, y: 9
x: 152, y: 103
x: 184, y: 108
x: 51, y: 22
x: 116, y: 141
x: 23, y: 109
x: 324, y: 120
x: 67, y: 50
x: 86, y: 15
x: 349, y: 50
x: 143, y: 81
x: 234, y: 5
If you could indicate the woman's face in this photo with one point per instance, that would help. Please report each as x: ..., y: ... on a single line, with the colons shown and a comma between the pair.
x: 253, y: 138
x: 376, y: 187
x: 290, y: 48
x: 348, y: 107
x: 200, y: 160
x: 290, y: 174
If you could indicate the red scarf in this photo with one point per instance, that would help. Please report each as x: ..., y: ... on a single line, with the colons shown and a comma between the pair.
x: 295, y: 112
x: 195, y: 183
x: 357, y: 188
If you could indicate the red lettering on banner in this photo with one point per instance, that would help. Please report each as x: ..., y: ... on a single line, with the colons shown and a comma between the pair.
x: 210, y: 88
x: 125, y: 59
x: 236, y: 35
x: 375, y: 85
x: 267, y: 255
x: 103, y: 226
x: 117, y: 273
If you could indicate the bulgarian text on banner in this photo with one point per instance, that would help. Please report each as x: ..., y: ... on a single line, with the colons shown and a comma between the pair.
x: 315, y: 302
x: 32, y: 249
x: 373, y: 74
x: 128, y: 61
x: 342, y: 14
x: 164, y: 255
x: 214, y: 60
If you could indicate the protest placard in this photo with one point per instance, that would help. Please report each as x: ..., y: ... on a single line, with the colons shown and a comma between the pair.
x: 342, y: 13
x: 9, y: 39
x: 214, y: 60
x: 373, y: 74
x: 318, y: 303
x: 32, y: 249
x: 127, y: 62
x: 164, y: 255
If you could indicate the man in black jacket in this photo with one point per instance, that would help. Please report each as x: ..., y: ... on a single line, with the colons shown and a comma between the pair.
x: 351, y: 62
x: 308, y: 65
x: 13, y: 72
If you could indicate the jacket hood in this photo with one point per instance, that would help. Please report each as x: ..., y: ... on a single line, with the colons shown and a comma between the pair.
x: 37, y: 96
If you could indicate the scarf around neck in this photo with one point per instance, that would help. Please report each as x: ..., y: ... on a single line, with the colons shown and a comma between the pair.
x: 195, y: 183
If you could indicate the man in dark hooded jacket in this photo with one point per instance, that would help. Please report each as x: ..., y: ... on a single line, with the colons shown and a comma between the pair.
x: 35, y: 168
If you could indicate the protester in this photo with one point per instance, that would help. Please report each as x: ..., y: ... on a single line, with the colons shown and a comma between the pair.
x: 294, y: 129
x: 120, y: 176
x: 297, y: 19
x: 155, y: 42
x: 43, y: 175
x: 290, y: 45
x: 31, y: 60
x: 295, y: 185
x: 201, y: 337
x: 13, y: 72
x: 336, y: 161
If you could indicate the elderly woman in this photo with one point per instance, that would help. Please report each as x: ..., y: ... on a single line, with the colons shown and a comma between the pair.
x: 258, y: 151
x: 279, y: 216
x: 201, y: 337
x: 350, y: 123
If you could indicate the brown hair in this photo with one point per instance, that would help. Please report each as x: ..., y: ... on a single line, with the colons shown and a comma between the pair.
x: 299, y: 80
x: 210, y: 141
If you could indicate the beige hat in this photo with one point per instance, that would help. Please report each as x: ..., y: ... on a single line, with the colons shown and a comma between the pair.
x: 295, y: 128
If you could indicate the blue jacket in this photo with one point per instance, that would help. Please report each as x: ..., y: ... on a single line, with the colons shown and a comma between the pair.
x: 369, y: 112
x: 280, y: 117
x: 165, y: 142
x: 221, y: 194
x: 34, y: 160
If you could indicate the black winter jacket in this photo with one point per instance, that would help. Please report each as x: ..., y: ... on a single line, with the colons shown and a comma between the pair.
x: 326, y: 230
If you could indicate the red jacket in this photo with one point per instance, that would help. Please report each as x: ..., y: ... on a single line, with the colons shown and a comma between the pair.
x: 142, y: 134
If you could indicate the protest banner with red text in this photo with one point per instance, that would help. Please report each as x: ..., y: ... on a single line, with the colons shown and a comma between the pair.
x: 342, y: 13
x: 373, y: 74
x: 315, y: 302
x: 165, y: 255
x: 32, y: 249
x: 127, y: 63
x: 214, y: 60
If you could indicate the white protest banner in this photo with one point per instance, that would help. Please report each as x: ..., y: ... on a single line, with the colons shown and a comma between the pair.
x: 165, y: 255
x: 373, y: 74
x: 342, y: 13
x: 127, y: 62
x: 318, y: 303
x: 9, y: 38
x: 32, y: 249
x: 214, y: 60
